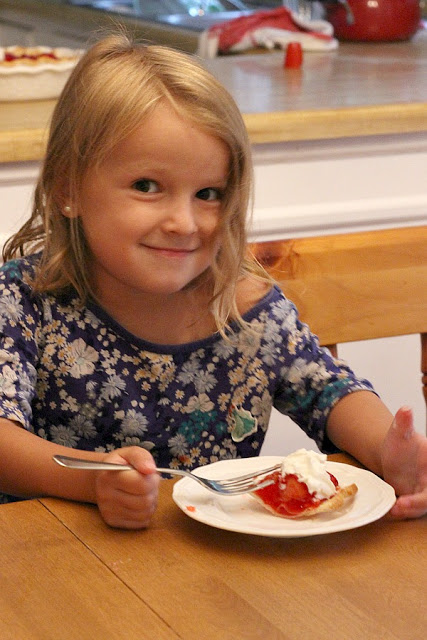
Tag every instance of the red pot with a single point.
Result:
(375, 20)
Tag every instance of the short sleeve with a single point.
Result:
(311, 380)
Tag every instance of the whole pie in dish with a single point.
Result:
(303, 487)
(35, 73)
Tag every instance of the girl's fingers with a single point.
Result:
(414, 506)
(403, 423)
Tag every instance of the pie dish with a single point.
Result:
(35, 73)
(243, 514)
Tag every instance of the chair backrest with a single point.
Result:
(356, 286)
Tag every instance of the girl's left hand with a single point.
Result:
(404, 463)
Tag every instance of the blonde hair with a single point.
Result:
(113, 87)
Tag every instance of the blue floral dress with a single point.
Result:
(74, 376)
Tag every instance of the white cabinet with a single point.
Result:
(315, 187)
(17, 181)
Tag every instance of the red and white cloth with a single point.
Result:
(269, 29)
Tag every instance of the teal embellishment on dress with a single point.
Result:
(13, 268)
(244, 424)
(201, 421)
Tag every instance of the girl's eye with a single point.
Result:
(209, 194)
(146, 186)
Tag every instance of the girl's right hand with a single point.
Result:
(128, 499)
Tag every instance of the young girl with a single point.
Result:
(134, 327)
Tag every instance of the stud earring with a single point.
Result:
(67, 209)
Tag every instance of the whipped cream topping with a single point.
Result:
(310, 467)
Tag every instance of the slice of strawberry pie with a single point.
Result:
(303, 487)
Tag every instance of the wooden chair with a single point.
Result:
(356, 286)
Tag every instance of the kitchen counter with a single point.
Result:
(358, 90)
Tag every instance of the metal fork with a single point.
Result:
(231, 487)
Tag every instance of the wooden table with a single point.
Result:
(65, 574)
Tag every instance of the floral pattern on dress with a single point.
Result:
(73, 376)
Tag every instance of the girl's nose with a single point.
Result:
(181, 218)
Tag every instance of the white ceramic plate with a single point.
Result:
(243, 514)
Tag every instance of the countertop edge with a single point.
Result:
(28, 144)
(336, 123)
(22, 146)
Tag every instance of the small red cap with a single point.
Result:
(293, 57)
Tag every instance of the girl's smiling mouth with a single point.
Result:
(170, 251)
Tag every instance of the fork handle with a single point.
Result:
(79, 463)
(98, 465)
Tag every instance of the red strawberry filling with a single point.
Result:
(287, 496)
(11, 57)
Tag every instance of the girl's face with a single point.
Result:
(151, 211)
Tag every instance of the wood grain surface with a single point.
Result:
(219, 585)
(53, 587)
